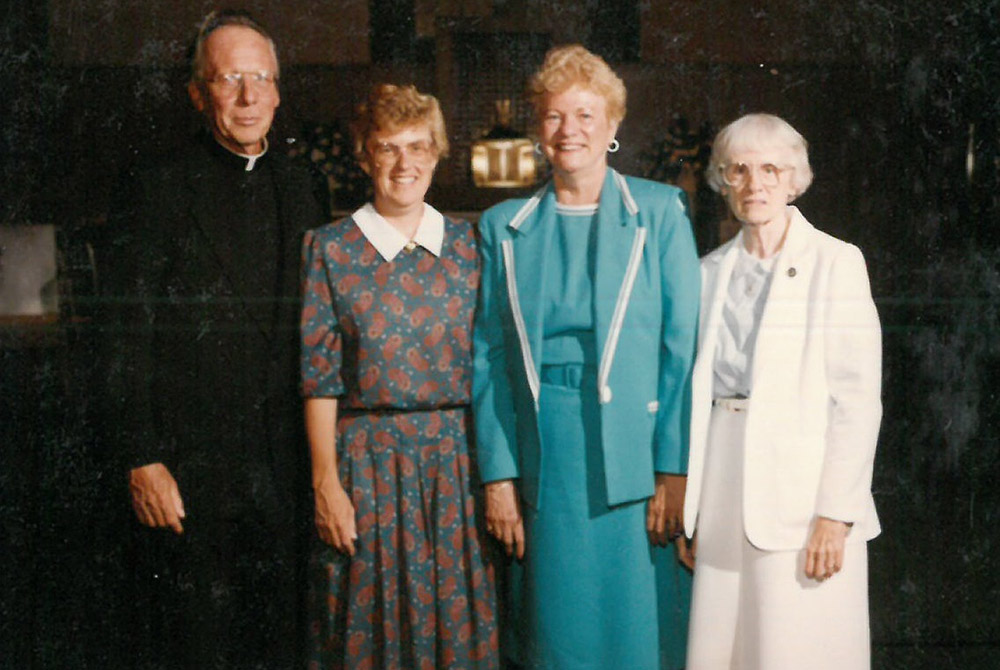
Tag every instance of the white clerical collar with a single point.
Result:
(251, 159)
(389, 242)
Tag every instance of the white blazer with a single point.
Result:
(815, 405)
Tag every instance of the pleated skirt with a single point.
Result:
(418, 594)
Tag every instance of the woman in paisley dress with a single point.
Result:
(398, 578)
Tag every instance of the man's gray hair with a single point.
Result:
(219, 19)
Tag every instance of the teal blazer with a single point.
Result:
(646, 299)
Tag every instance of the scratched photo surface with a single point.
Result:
(898, 100)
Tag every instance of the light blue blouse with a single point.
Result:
(741, 314)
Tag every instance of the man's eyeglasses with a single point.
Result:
(233, 81)
(737, 174)
(420, 151)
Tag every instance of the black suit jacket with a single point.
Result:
(206, 372)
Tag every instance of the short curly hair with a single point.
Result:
(573, 65)
(761, 132)
(391, 108)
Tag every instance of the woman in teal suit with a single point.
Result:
(584, 340)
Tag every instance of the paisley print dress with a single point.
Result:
(391, 341)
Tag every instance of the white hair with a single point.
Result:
(761, 132)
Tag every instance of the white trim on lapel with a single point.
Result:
(618, 316)
(507, 246)
(627, 198)
(527, 208)
(621, 303)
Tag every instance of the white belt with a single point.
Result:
(732, 404)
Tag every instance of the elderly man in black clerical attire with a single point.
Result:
(209, 415)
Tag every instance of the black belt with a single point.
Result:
(392, 411)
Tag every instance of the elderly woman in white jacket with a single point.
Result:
(785, 417)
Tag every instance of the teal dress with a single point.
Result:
(591, 592)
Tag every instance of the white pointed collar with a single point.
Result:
(389, 242)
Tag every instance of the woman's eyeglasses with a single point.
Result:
(737, 174)
(420, 151)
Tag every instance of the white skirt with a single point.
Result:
(754, 609)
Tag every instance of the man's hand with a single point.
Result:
(665, 509)
(155, 497)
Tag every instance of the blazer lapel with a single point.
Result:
(619, 244)
(716, 286)
(715, 283)
(716, 270)
(525, 255)
(783, 310)
(614, 237)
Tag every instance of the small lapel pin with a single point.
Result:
(791, 272)
(409, 246)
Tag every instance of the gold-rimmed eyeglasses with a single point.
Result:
(420, 151)
(231, 82)
(737, 174)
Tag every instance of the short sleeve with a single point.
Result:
(321, 338)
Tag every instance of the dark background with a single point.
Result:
(899, 100)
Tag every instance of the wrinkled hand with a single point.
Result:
(503, 516)
(665, 509)
(686, 550)
(335, 517)
(155, 497)
(825, 549)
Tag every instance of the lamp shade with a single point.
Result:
(503, 158)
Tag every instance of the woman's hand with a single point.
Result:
(825, 549)
(665, 509)
(335, 517)
(686, 551)
(503, 516)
